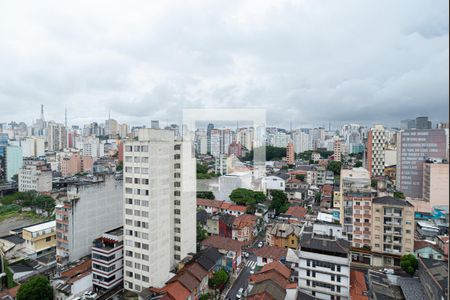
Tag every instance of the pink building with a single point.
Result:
(75, 163)
(290, 154)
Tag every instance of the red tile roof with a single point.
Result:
(357, 285)
(11, 292)
(279, 267)
(224, 243)
(245, 220)
(209, 203)
(78, 269)
(275, 253)
(270, 275)
(177, 291)
(233, 207)
(297, 211)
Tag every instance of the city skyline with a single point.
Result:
(256, 54)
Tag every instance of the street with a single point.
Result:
(242, 280)
(250, 262)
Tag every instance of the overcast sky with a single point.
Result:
(307, 61)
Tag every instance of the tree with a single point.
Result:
(202, 234)
(373, 182)
(272, 153)
(119, 166)
(358, 164)
(409, 263)
(399, 195)
(36, 288)
(219, 279)
(335, 167)
(246, 197)
(206, 195)
(300, 177)
(280, 202)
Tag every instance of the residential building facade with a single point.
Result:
(392, 230)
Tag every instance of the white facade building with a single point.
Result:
(324, 267)
(159, 220)
(88, 211)
(274, 183)
(35, 178)
(107, 260)
(375, 151)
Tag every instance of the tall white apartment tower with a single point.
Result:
(375, 151)
(159, 219)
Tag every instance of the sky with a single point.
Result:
(309, 62)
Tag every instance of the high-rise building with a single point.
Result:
(56, 136)
(14, 161)
(33, 147)
(302, 141)
(423, 123)
(86, 212)
(337, 150)
(356, 206)
(111, 127)
(375, 151)
(160, 208)
(435, 183)
(290, 153)
(392, 230)
(154, 124)
(208, 135)
(414, 147)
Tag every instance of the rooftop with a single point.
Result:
(437, 269)
(388, 200)
(358, 286)
(275, 253)
(224, 243)
(40, 227)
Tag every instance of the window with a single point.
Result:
(137, 213)
(129, 201)
(145, 257)
(177, 156)
(177, 248)
(128, 191)
(176, 211)
(338, 268)
(177, 239)
(308, 273)
(145, 267)
(145, 278)
(128, 148)
(144, 203)
(144, 214)
(137, 149)
(177, 184)
(144, 148)
(177, 166)
(128, 211)
(137, 202)
(137, 265)
(144, 246)
(137, 255)
(177, 193)
(177, 147)
(144, 225)
(144, 160)
(137, 276)
(177, 202)
(137, 245)
(177, 221)
(128, 180)
(48, 239)
(129, 253)
(145, 236)
(308, 282)
(128, 263)
(128, 222)
(136, 180)
(308, 263)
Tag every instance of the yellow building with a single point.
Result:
(283, 235)
(40, 239)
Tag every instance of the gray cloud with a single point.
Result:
(306, 61)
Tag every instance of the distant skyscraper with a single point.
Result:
(413, 148)
(375, 151)
(208, 136)
(155, 124)
(423, 123)
(290, 153)
(56, 136)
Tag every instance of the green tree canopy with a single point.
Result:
(399, 195)
(358, 164)
(206, 195)
(247, 197)
(280, 202)
(36, 288)
(409, 263)
(300, 177)
(335, 166)
(272, 153)
(219, 279)
(373, 182)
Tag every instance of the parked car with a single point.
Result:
(90, 295)
(239, 293)
(260, 244)
(252, 270)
